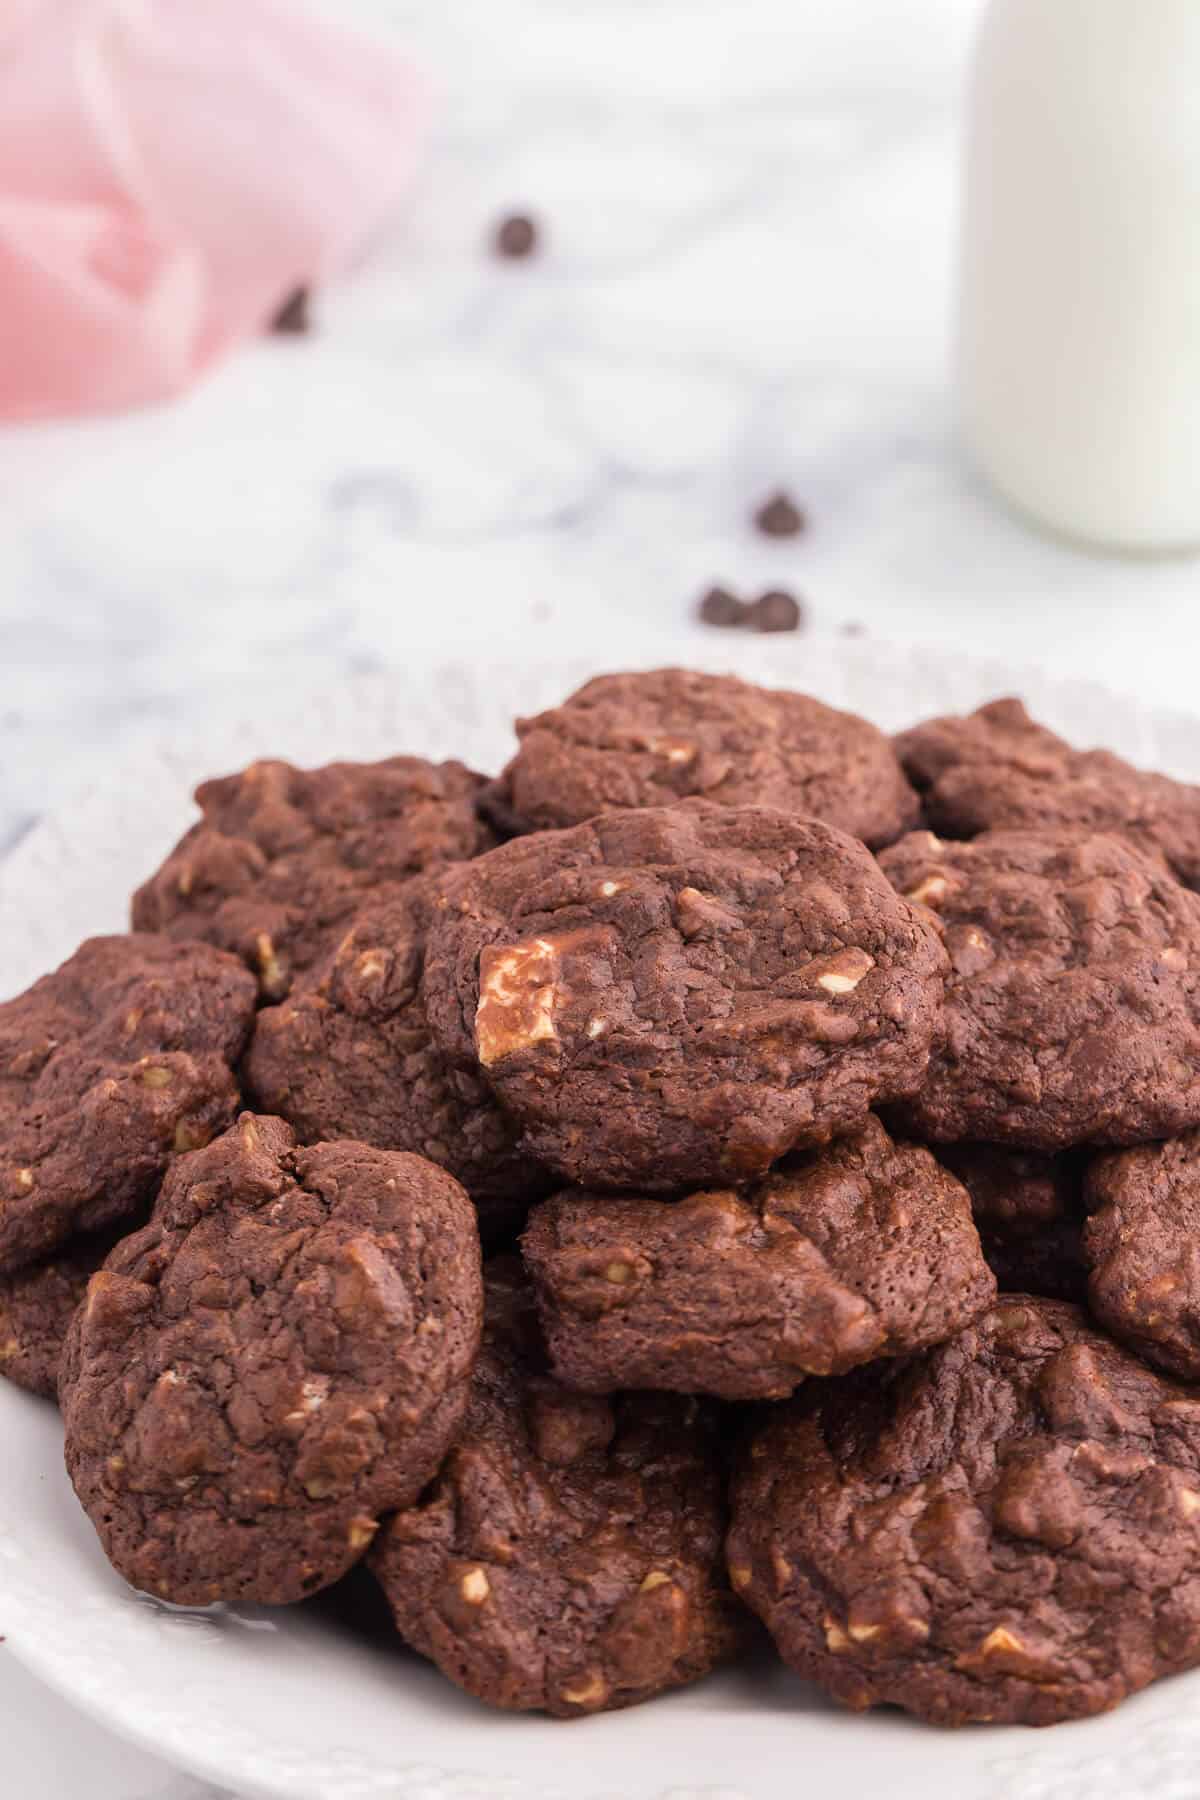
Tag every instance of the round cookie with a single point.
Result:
(861, 1250)
(1142, 1249)
(649, 739)
(107, 1068)
(349, 1054)
(568, 1557)
(282, 856)
(1073, 1002)
(1004, 1529)
(681, 995)
(1028, 1208)
(280, 1357)
(997, 769)
(37, 1304)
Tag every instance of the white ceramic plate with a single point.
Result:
(290, 1705)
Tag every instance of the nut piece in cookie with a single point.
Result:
(1029, 1211)
(1007, 1528)
(108, 1067)
(997, 769)
(281, 1357)
(1073, 1001)
(652, 738)
(37, 1304)
(1142, 1249)
(349, 1054)
(861, 1250)
(282, 857)
(681, 995)
(568, 1557)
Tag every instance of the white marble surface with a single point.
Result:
(749, 210)
(747, 280)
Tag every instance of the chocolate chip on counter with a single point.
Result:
(776, 610)
(516, 236)
(780, 517)
(294, 318)
(854, 628)
(720, 607)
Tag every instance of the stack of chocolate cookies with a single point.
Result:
(730, 1164)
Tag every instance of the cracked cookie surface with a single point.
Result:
(1073, 1001)
(998, 769)
(634, 740)
(1007, 1528)
(109, 1067)
(281, 856)
(349, 1054)
(861, 1250)
(38, 1302)
(568, 1557)
(681, 995)
(1142, 1249)
(278, 1359)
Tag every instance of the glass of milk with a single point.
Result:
(1079, 334)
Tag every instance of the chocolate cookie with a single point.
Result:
(349, 1054)
(650, 739)
(858, 1251)
(680, 995)
(1142, 1248)
(568, 1557)
(37, 1305)
(1029, 1211)
(998, 769)
(1073, 1003)
(107, 1068)
(1004, 1529)
(282, 1355)
(283, 856)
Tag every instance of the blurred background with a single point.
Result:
(743, 282)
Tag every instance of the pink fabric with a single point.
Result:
(170, 171)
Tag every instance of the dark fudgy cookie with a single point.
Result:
(282, 856)
(107, 1068)
(651, 739)
(681, 995)
(998, 769)
(858, 1251)
(282, 1355)
(1142, 1247)
(1029, 1211)
(37, 1305)
(349, 1054)
(568, 1557)
(1007, 1528)
(1073, 1003)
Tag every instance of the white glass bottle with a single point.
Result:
(1079, 334)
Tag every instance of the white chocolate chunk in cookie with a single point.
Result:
(517, 993)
